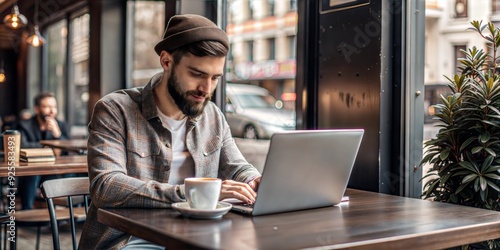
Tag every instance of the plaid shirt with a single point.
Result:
(130, 155)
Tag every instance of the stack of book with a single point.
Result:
(37, 154)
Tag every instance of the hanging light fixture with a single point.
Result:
(36, 38)
(15, 19)
(2, 71)
(2, 75)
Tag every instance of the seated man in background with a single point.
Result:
(42, 126)
(144, 141)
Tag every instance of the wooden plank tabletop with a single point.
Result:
(368, 221)
(62, 165)
(73, 145)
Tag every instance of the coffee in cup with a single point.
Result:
(11, 145)
(202, 193)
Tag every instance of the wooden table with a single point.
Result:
(62, 165)
(368, 221)
(74, 145)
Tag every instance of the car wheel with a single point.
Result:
(250, 132)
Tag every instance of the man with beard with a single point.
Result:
(144, 141)
(42, 126)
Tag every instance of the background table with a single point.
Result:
(62, 165)
(368, 221)
(75, 145)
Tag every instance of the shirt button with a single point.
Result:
(142, 154)
(205, 153)
(167, 145)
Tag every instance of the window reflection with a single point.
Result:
(458, 51)
(256, 101)
(253, 113)
(67, 72)
(461, 8)
(495, 6)
(263, 39)
(145, 27)
(79, 74)
(444, 45)
(56, 41)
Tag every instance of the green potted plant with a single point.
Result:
(465, 154)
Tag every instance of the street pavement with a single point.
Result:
(255, 151)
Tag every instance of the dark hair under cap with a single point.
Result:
(185, 29)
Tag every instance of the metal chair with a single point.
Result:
(38, 217)
(4, 219)
(69, 188)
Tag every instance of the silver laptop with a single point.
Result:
(305, 169)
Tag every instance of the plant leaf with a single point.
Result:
(444, 154)
(487, 162)
(469, 178)
(477, 149)
(459, 189)
(485, 137)
(466, 143)
(494, 186)
(469, 166)
(490, 152)
(483, 183)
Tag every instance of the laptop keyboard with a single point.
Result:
(238, 202)
(247, 205)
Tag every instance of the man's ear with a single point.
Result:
(166, 60)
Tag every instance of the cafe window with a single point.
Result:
(79, 75)
(56, 65)
(263, 53)
(250, 51)
(292, 46)
(293, 5)
(270, 7)
(65, 69)
(145, 27)
(495, 6)
(461, 8)
(271, 47)
(433, 92)
(249, 9)
(458, 53)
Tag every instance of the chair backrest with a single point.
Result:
(65, 187)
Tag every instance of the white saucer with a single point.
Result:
(221, 209)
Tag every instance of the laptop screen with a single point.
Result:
(306, 169)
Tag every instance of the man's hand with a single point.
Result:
(254, 184)
(238, 190)
(53, 127)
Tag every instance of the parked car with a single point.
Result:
(253, 113)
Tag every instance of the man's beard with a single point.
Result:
(188, 107)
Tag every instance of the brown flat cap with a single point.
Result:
(185, 29)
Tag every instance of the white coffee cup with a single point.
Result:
(202, 193)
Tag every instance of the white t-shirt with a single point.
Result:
(182, 163)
